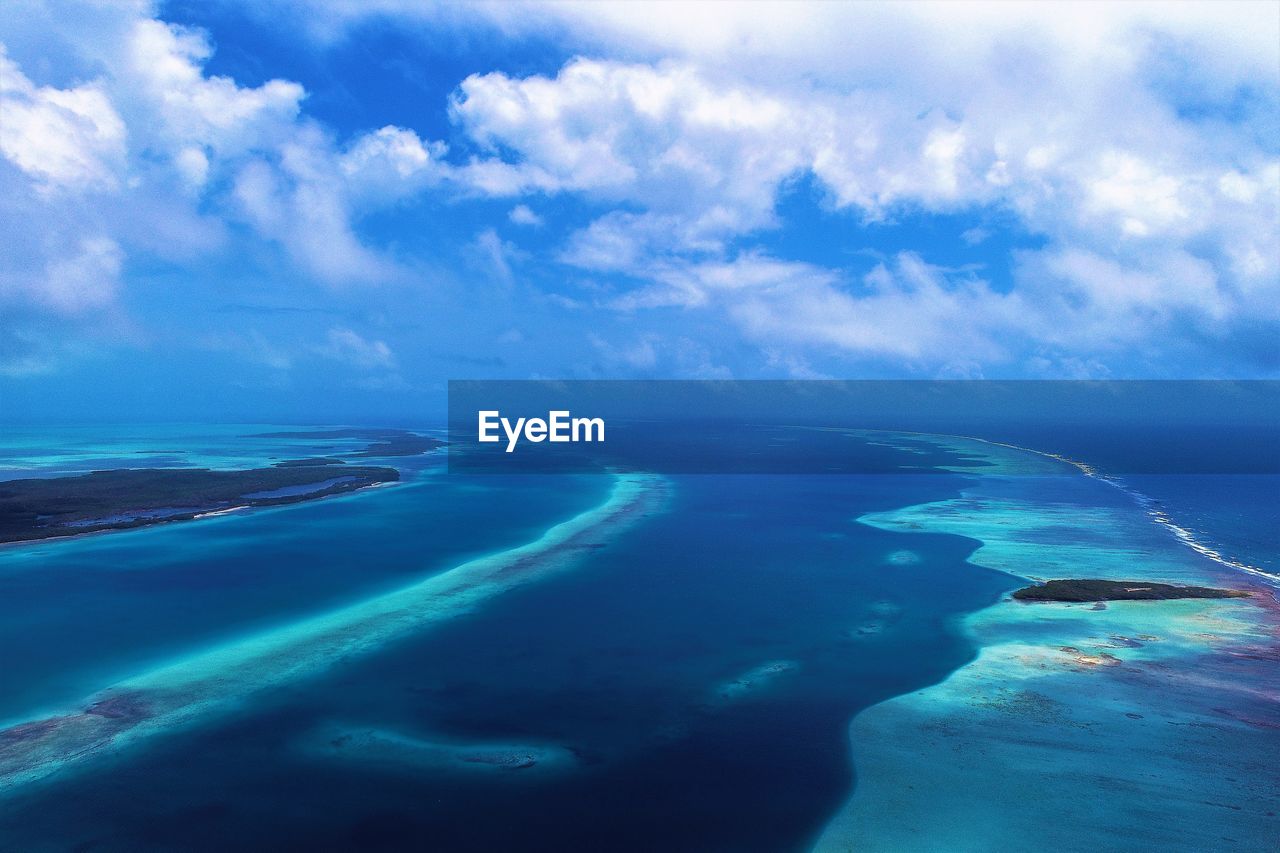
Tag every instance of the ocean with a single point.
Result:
(683, 678)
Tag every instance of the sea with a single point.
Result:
(687, 682)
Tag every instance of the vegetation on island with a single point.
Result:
(134, 497)
(1079, 589)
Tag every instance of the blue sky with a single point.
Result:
(323, 211)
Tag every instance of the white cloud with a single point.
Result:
(639, 355)
(86, 280)
(660, 136)
(301, 201)
(64, 138)
(906, 311)
(1091, 303)
(349, 347)
(154, 156)
(1141, 199)
(1153, 221)
(873, 41)
(679, 142)
(910, 314)
(494, 255)
(162, 73)
(522, 215)
(391, 163)
(656, 355)
(625, 242)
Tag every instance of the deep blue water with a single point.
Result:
(82, 613)
(621, 661)
(1237, 515)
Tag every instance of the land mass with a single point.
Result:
(1078, 589)
(134, 497)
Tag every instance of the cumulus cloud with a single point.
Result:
(659, 136)
(1135, 145)
(151, 119)
(903, 40)
(391, 163)
(676, 141)
(163, 67)
(129, 147)
(1151, 219)
(63, 138)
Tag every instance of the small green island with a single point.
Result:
(1082, 590)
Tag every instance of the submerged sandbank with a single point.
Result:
(394, 749)
(216, 680)
(755, 679)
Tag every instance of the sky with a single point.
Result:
(322, 211)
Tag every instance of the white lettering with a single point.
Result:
(559, 426)
(559, 423)
(587, 425)
(487, 424)
(513, 435)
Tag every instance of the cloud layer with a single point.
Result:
(1122, 166)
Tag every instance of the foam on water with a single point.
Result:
(1152, 509)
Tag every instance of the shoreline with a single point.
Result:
(218, 512)
(83, 497)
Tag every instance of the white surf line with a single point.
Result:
(1147, 504)
(214, 513)
(220, 679)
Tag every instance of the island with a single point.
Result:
(45, 508)
(1081, 589)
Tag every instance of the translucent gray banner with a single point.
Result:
(825, 427)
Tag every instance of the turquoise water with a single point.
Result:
(46, 451)
(1118, 727)
(683, 680)
(89, 611)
